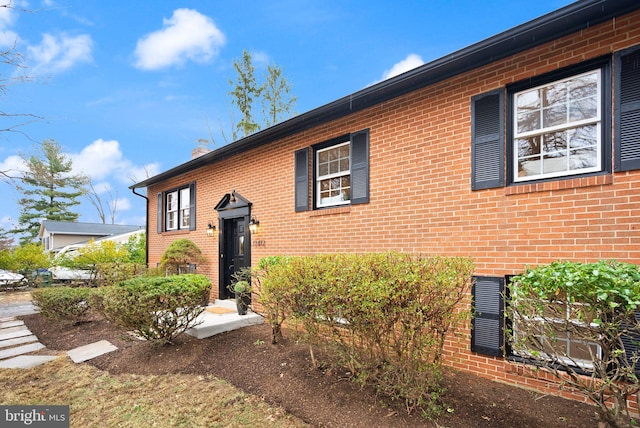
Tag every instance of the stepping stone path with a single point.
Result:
(17, 344)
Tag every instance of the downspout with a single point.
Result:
(146, 226)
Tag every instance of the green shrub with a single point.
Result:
(273, 302)
(157, 308)
(111, 273)
(180, 253)
(596, 305)
(382, 316)
(64, 303)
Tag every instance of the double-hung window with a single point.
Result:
(333, 175)
(178, 203)
(178, 210)
(339, 174)
(558, 125)
(557, 333)
(557, 128)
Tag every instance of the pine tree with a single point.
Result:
(49, 189)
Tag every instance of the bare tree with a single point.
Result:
(99, 203)
(13, 60)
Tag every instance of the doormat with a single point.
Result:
(218, 310)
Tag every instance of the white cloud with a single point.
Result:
(260, 59)
(60, 53)
(138, 174)
(102, 187)
(123, 204)
(187, 35)
(8, 38)
(103, 160)
(13, 166)
(409, 63)
(100, 159)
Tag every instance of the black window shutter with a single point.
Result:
(627, 110)
(631, 344)
(302, 179)
(487, 334)
(192, 206)
(159, 213)
(487, 140)
(360, 167)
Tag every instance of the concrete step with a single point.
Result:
(10, 323)
(26, 361)
(220, 317)
(19, 350)
(92, 350)
(17, 341)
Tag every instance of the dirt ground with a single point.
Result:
(283, 375)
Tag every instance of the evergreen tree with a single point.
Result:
(245, 92)
(49, 190)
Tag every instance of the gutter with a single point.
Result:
(146, 226)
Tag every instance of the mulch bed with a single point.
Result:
(283, 375)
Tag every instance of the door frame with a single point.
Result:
(232, 206)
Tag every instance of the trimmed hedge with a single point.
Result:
(382, 316)
(64, 303)
(156, 308)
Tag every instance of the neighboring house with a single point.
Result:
(518, 150)
(56, 235)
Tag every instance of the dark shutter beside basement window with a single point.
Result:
(360, 167)
(487, 140)
(487, 334)
(627, 109)
(302, 179)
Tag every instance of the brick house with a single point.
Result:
(518, 150)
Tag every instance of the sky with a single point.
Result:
(128, 88)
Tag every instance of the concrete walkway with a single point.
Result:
(17, 345)
(19, 348)
(222, 316)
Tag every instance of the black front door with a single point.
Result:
(235, 255)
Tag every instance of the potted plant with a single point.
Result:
(242, 289)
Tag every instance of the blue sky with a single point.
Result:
(128, 88)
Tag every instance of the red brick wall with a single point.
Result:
(420, 192)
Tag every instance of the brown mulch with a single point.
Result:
(282, 374)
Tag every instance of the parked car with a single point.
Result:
(8, 278)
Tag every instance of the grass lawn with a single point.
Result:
(98, 399)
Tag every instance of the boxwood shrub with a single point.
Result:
(156, 308)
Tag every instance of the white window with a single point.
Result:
(333, 175)
(184, 208)
(172, 211)
(177, 209)
(558, 335)
(557, 128)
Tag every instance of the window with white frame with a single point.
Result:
(177, 212)
(557, 334)
(333, 175)
(557, 128)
